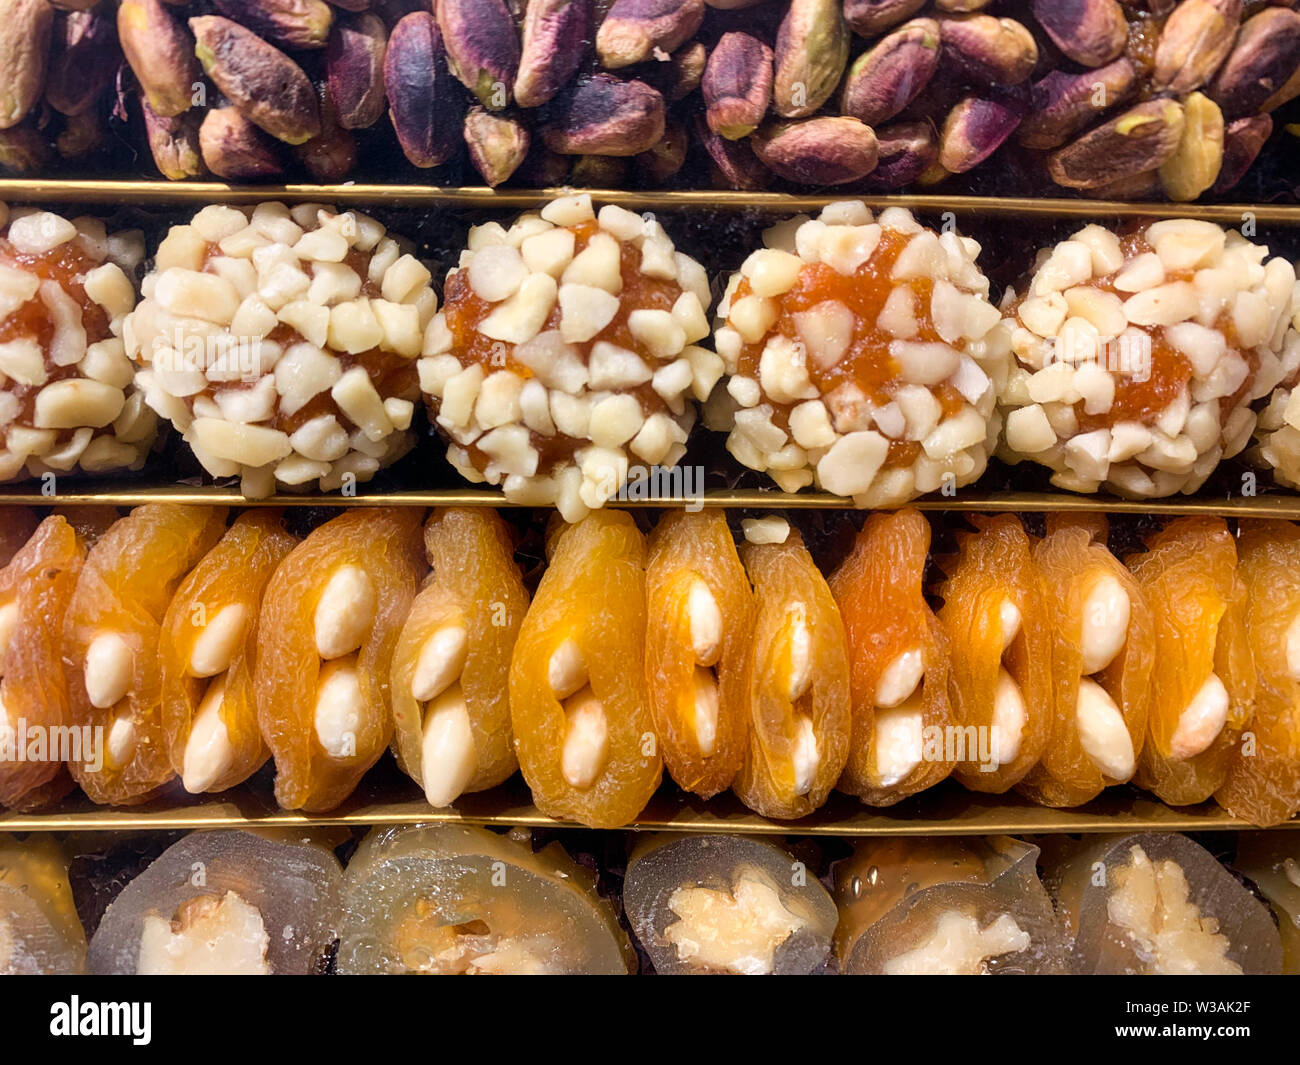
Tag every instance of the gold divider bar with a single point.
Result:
(948, 812)
(159, 193)
(1272, 505)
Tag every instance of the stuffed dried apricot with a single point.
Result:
(329, 622)
(1263, 782)
(35, 715)
(899, 661)
(1102, 653)
(796, 683)
(451, 666)
(700, 605)
(110, 644)
(207, 649)
(578, 699)
(1203, 681)
(1001, 646)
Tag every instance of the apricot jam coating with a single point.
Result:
(67, 266)
(1141, 399)
(867, 363)
(1170, 370)
(390, 373)
(465, 311)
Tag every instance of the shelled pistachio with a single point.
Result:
(1165, 99)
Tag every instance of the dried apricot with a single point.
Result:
(329, 622)
(1203, 682)
(1102, 653)
(899, 658)
(1263, 782)
(207, 649)
(796, 684)
(35, 589)
(1001, 646)
(701, 607)
(451, 666)
(578, 699)
(110, 645)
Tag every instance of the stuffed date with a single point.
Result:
(228, 902)
(726, 904)
(1157, 903)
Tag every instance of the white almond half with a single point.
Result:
(899, 743)
(1104, 623)
(441, 660)
(448, 758)
(215, 646)
(339, 706)
(705, 708)
(585, 750)
(1201, 720)
(1009, 719)
(1103, 735)
(566, 672)
(704, 621)
(344, 612)
(208, 754)
(806, 757)
(108, 669)
(900, 679)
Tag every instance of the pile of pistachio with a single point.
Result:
(1124, 98)
(1127, 99)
